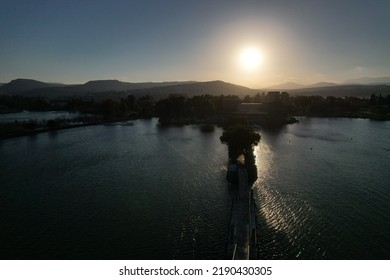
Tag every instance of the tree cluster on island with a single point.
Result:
(240, 138)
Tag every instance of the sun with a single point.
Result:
(251, 58)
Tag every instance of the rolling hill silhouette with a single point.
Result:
(115, 88)
(20, 85)
(101, 89)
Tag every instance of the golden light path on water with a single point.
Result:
(285, 214)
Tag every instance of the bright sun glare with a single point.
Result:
(251, 58)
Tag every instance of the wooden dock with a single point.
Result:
(242, 234)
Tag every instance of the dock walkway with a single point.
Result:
(242, 234)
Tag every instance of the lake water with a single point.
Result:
(323, 190)
(145, 192)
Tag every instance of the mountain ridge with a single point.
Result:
(23, 85)
(293, 85)
(20, 84)
(102, 89)
(216, 87)
(357, 81)
(343, 90)
(287, 85)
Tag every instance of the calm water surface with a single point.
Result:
(144, 192)
(323, 190)
(130, 192)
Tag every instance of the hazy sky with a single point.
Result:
(173, 40)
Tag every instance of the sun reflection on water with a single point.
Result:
(283, 214)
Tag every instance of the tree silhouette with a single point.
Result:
(239, 137)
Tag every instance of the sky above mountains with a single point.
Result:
(299, 41)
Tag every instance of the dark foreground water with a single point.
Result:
(144, 192)
(121, 192)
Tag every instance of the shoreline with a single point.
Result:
(52, 129)
(348, 116)
(187, 121)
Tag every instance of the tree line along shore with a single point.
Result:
(267, 109)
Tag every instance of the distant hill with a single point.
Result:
(104, 85)
(20, 85)
(287, 86)
(103, 89)
(359, 81)
(369, 81)
(37, 88)
(215, 88)
(343, 90)
(116, 89)
(293, 86)
(115, 85)
(322, 84)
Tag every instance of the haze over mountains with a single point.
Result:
(369, 81)
(359, 81)
(292, 85)
(118, 89)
